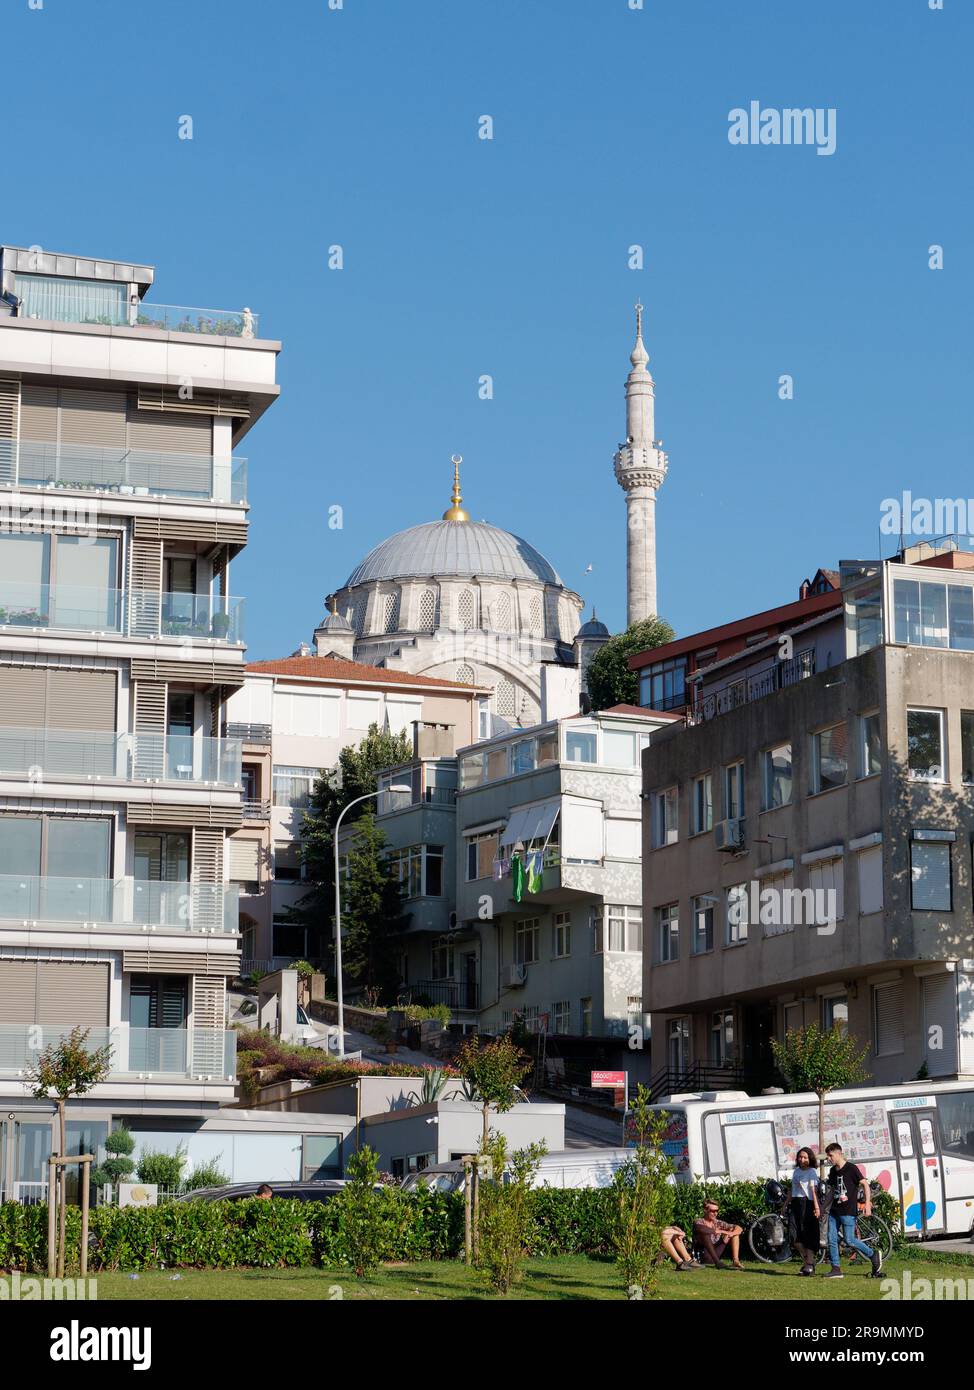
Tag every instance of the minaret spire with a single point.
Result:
(455, 512)
(640, 467)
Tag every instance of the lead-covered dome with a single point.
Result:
(454, 548)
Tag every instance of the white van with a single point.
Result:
(916, 1140)
(564, 1168)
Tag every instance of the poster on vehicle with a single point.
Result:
(675, 1143)
(861, 1128)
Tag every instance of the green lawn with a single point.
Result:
(566, 1277)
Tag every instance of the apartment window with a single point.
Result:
(734, 791)
(526, 941)
(419, 868)
(870, 871)
(888, 1019)
(441, 961)
(703, 924)
(481, 853)
(585, 1008)
(57, 848)
(778, 903)
(662, 686)
(562, 934)
(483, 717)
(826, 878)
(925, 744)
(668, 933)
(867, 608)
(287, 861)
(678, 1045)
(870, 745)
(967, 744)
(835, 1013)
(702, 804)
(929, 614)
(62, 581)
(618, 928)
(792, 1018)
(634, 1015)
(665, 811)
(561, 1016)
(830, 758)
(777, 777)
(721, 1037)
(930, 873)
(293, 786)
(289, 940)
(621, 748)
(581, 748)
(736, 905)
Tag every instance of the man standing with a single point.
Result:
(845, 1178)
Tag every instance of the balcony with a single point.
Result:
(55, 300)
(144, 1054)
(79, 755)
(256, 810)
(127, 612)
(775, 677)
(124, 904)
(259, 734)
(456, 994)
(135, 472)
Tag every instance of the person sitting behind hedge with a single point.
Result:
(264, 1192)
(713, 1236)
(674, 1243)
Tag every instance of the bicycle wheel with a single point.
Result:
(768, 1239)
(875, 1232)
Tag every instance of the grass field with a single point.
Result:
(563, 1278)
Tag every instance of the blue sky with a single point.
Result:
(508, 257)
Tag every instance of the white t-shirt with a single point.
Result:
(803, 1182)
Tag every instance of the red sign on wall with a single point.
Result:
(610, 1079)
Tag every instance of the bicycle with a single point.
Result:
(769, 1241)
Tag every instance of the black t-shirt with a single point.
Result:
(845, 1185)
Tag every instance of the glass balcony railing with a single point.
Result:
(128, 612)
(140, 904)
(137, 472)
(191, 1054)
(56, 300)
(87, 755)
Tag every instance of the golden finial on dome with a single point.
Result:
(456, 512)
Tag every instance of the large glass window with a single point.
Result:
(703, 924)
(835, 1013)
(526, 940)
(668, 932)
(777, 776)
(619, 748)
(956, 1110)
(580, 747)
(830, 758)
(868, 619)
(562, 934)
(419, 868)
(736, 906)
(481, 853)
(925, 744)
(734, 791)
(57, 580)
(930, 614)
(618, 928)
(293, 786)
(662, 686)
(524, 755)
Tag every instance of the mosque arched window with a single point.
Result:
(465, 675)
(390, 613)
(502, 613)
(505, 699)
(427, 611)
(466, 610)
(537, 614)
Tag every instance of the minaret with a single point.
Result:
(640, 467)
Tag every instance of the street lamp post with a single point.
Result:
(338, 911)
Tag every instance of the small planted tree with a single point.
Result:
(644, 1199)
(64, 1069)
(812, 1060)
(491, 1074)
(118, 1166)
(361, 1225)
(505, 1213)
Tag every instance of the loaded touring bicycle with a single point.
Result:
(915, 1140)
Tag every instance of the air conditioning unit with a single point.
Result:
(729, 834)
(513, 975)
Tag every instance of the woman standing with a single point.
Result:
(803, 1209)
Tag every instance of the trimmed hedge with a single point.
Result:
(279, 1233)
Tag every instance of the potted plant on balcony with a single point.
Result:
(220, 625)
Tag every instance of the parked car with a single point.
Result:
(591, 1167)
(320, 1191)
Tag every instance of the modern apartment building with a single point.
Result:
(293, 717)
(807, 837)
(123, 501)
(564, 952)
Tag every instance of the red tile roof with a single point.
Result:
(333, 668)
(638, 709)
(797, 611)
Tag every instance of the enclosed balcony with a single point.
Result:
(132, 472)
(60, 299)
(127, 612)
(122, 904)
(144, 1054)
(74, 755)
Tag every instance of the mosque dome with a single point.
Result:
(449, 549)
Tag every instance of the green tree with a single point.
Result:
(118, 1167)
(360, 1202)
(372, 911)
(812, 1060)
(644, 1199)
(492, 1073)
(506, 1223)
(610, 681)
(357, 774)
(62, 1070)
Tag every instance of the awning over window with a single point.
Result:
(531, 823)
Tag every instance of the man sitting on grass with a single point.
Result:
(712, 1237)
